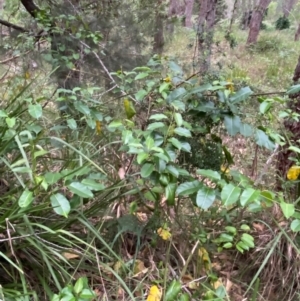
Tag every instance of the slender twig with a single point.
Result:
(13, 57)
(259, 178)
(14, 26)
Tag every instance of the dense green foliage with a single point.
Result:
(139, 169)
(283, 23)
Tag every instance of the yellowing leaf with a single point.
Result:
(164, 233)
(129, 108)
(98, 127)
(217, 283)
(167, 79)
(117, 266)
(27, 75)
(230, 86)
(204, 256)
(224, 169)
(139, 268)
(189, 281)
(293, 173)
(154, 294)
(70, 255)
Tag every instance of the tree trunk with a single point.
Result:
(189, 4)
(288, 6)
(159, 40)
(256, 20)
(173, 13)
(207, 19)
(297, 35)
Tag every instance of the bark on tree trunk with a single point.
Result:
(207, 18)
(189, 4)
(159, 40)
(256, 20)
(173, 12)
(288, 6)
(297, 35)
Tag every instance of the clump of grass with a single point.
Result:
(267, 43)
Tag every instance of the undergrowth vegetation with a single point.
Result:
(154, 183)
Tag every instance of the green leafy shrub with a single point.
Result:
(282, 23)
(267, 43)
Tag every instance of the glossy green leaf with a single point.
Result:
(294, 89)
(294, 149)
(224, 237)
(155, 125)
(141, 157)
(82, 107)
(147, 170)
(87, 294)
(10, 122)
(205, 197)
(227, 245)
(249, 195)
(161, 165)
(149, 143)
(162, 156)
(230, 194)
(141, 75)
(232, 124)
(176, 94)
(164, 179)
(52, 177)
(231, 229)
(241, 95)
(173, 170)
(36, 111)
(262, 139)
(80, 189)
(158, 117)
(178, 105)
(170, 190)
(3, 113)
(248, 240)
(287, 209)
(207, 173)
(115, 124)
(185, 146)
(175, 142)
(140, 94)
(246, 130)
(184, 297)
(79, 285)
(60, 204)
(72, 124)
(188, 188)
(295, 225)
(163, 87)
(173, 291)
(264, 107)
(239, 247)
(178, 119)
(26, 198)
(182, 132)
(92, 184)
